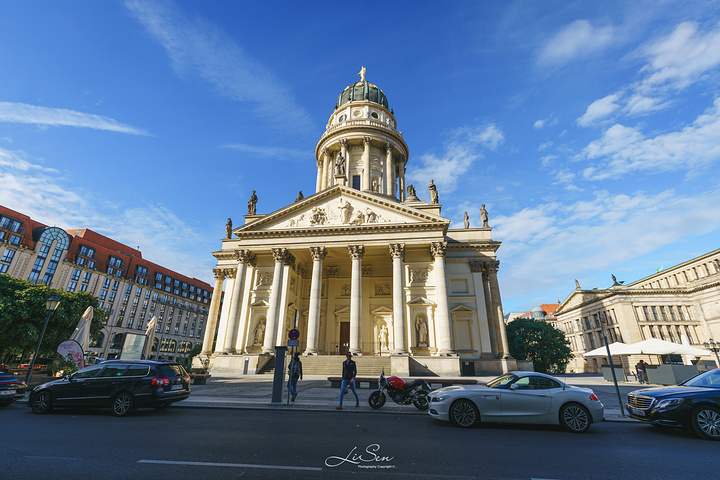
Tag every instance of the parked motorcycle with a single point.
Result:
(402, 393)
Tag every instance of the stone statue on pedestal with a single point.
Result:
(260, 333)
(300, 196)
(340, 164)
(467, 221)
(484, 216)
(228, 229)
(252, 204)
(421, 331)
(434, 198)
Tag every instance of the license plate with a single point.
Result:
(638, 412)
(7, 392)
(176, 387)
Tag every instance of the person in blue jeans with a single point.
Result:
(349, 372)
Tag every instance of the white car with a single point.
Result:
(518, 397)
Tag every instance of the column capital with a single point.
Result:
(356, 251)
(230, 273)
(437, 249)
(388, 147)
(344, 142)
(219, 273)
(300, 269)
(280, 254)
(318, 253)
(397, 250)
(402, 159)
(476, 266)
(243, 256)
(492, 266)
(367, 141)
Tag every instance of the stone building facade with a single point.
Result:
(680, 304)
(130, 289)
(369, 267)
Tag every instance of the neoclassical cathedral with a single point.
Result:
(363, 265)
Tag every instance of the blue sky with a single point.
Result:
(590, 130)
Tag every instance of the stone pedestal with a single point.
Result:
(341, 180)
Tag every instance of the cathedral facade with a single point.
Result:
(363, 265)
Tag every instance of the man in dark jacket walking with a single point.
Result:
(295, 373)
(349, 372)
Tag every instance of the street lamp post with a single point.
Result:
(715, 347)
(50, 305)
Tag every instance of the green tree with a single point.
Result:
(22, 316)
(536, 340)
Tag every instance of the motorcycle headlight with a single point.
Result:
(441, 398)
(669, 403)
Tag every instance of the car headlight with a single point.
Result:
(669, 403)
(441, 398)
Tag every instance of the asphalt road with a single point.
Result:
(181, 443)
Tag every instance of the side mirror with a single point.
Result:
(514, 386)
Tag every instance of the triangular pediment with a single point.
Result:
(342, 207)
(343, 311)
(382, 310)
(420, 301)
(580, 297)
(462, 309)
(260, 304)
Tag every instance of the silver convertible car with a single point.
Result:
(518, 397)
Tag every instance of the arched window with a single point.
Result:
(47, 236)
(117, 340)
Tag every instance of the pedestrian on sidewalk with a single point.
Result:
(641, 373)
(349, 372)
(294, 373)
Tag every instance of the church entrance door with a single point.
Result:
(344, 337)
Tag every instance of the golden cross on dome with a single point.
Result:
(362, 74)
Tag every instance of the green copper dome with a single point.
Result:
(362, 91)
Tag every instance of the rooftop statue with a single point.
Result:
(340, 165)
(362, 74)
(411, 191)
(252, 204)
(467, 221)
(300, 196)
(484, 216)
(434, 198)
(228, 229)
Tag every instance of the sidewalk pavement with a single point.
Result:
(229, 390)
(314, 393)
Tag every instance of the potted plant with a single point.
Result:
(201, 378)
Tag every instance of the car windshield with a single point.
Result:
(502, 381)
(709, 379)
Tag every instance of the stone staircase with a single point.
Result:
(331, 365)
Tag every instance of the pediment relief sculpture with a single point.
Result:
(418, 275)
(264, 279)
(382, 288)
(345, 213)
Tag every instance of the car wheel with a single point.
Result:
(421, 401)
(122, 404)
(574, 418)
(377, 400)
(464, 413)
(706, 422)
(42, 403)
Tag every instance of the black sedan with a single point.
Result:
(11, 389)
(693, 403)
(121, 385)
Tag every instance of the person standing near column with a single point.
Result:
(295, 373)
(349, 372)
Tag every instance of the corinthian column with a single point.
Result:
(366, 183)
(497, 309)
(225, 313)
(318, 182)
(279, 254)
(397, 252)
(213, 312)
(356, 252)
(318, 254)
(401, 174)
(325, 168)
(389, 184)
(442, 319)
(233, 321)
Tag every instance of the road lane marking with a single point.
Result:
(53, 458)
(233, 465)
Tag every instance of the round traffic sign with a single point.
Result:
(294, 334)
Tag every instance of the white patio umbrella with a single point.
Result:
(82, 333)
(616, 349)
(654, 346)
(150, 333)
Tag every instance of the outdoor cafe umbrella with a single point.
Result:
(150, 333)
(654, 346)
(82, 333)
(616, 349)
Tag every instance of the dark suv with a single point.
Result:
(121, 385)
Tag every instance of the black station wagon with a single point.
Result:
(121, 385)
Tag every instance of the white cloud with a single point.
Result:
(579, 39)
(42, 194)
(460, 153)
(32, 114)
(622, 150)
(683, 57)
(268, 151)
(199, 48)
(599, 109)
(548, 244)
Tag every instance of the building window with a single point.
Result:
(71, 286)
(356, 182)
(112, 297)
(116, 284)
(664, 315)
(128, 289)
(655, 315)
(106, 283)
(4, 267)
(103, 294)
(83, 287)
(680, 312)
(87, 276)
(91, 263)
(14, 239)
(110, 270)
(76, 274)
(8, 255)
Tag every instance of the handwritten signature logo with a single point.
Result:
(370, 458)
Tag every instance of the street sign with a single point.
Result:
(293, 343)
(294, 334)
